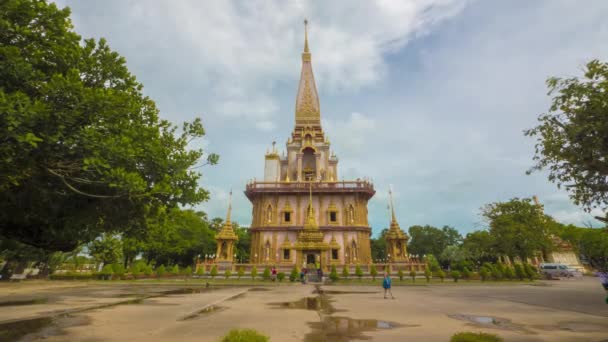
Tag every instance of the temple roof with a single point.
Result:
(394, 232)
(227, 233)
(308, 110)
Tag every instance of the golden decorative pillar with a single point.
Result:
(226, 238)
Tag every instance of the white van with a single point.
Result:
(555, 270)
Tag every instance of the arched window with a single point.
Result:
(269, 214)
(351, 214)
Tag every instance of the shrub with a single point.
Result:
(240, 273)
(227, 273)
(455, 275)
(174, 270)
(520, 273)
(373, 272)
(413, 276)
(400, 274)
(254, 273)
(244, 335)
(345, 272)
(200, 271)
(294, 274)
(509, 273)
(531, 272)
(496, 273)
(441, 275)
(333, 275)
(118, 270)
(358, 272)
(106, 272)
(213, 271)
(432, 263)
(160, 271)
(475, 337)
(280, 276)
(73, 276)
(484, 274)
(135, 270)
(266, 274)
(428, 274)
(148, 270)
(466, 273)
(186, 272)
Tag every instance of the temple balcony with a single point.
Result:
(344, 187)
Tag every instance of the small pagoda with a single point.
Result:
(226, 239)
(310, 237)
(396, 239)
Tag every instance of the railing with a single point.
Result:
(361, 185)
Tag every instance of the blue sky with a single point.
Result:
(428, 96)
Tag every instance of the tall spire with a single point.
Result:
(390, 194)
(307, 100)
(229, 207)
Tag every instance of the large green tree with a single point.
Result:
(378, 246)
(572, 138)
(519, 227)
(590, 243)
(82, 150)
(479, 246)
(431, 240)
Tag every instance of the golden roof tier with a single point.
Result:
(308, 110)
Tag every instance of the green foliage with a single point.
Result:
(75, 276)
(295, 273)
(200, 271)
(400, 274)
(174, 270)
(244, 335)
(241, 272)
(413, 276)
(531, 271)
(571, 137)
(479, 246)
(227, 273)
(431, 240)
(266, 273)
(475, 337)
(466, 273)
(455, 275)
(441, 275)
(333, 275)
(187, 272)
(106, 272)
(358, 272)
(484, 274)
(432, 263)
(118, 270)
(496, 273)
(213, 271)
(428, 274)
(84, 151)
(453, 255)
(373, 272)
(106, 249)
(280, 276)
(254, 272)
(345, 272)
(521, 227)
(161, 271)
(378, 246)
(590, 243)
(148, 271)
(509, 273)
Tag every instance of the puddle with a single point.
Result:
(489, 321)
(25, 302)
(207, 310)
(255, 289)
(582, 326)
(319, 303)
(39, 328)
(188, 290)
(346, 329)
(15, 330)
(336, 292)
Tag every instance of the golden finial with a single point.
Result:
(306, 36)
(229, 207)
(390, 194)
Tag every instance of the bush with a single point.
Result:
(266, 274)
(160, 271)
(254, 273)
(244, 335)
(432, 263)
(400, 274)
(358, 272)
(148, 270)
(428, 274)
(345, 272)
(118, 270)
(373, 272)
(213, 271)
(466, 273)
(441, 275)
(294, 274)
(227, 273)
(475, 337)
(174, 270)
(73, 276)
(484, 274)
(187, 272)
(413, 276)
(455, 275)
(106, 272)
(333, 275)
(241, 272)
(520, 273)
(496, 273)
(280, 276)
(531, 272)
(200, 271)
(509, 273)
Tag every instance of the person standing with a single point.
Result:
(386, 283)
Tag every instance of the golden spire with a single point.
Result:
(390, 194)
(227, 233)
(307, 99)
(311, 222)
(229, 207)
(306, 36)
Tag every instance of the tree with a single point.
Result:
(400, 275)
(243, 245)
(254, 272)
(160, 271)
(427, 239)
(521, 227)
(453, 255)
(441, 275)
(590, 243)
(571, 139)
(333, 275)
(479, 246)
(345, 272)
(294, 274)
(379, 246)
(358, 272)
(227, 273)
(280, 276)
(413, 276)
(241, 272)
(455, 275)
(213, 272)
(107, 249)
(266, 273)
(82, 150)
(428, 274)
(373, 272)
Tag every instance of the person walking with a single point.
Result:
(386, 283)
(274, 273)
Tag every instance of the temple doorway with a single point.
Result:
(312, 257)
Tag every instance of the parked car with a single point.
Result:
(556, 270)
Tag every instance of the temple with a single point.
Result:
(302, 213)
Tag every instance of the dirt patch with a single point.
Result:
(490, 322)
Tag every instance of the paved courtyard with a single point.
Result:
(567, 310)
